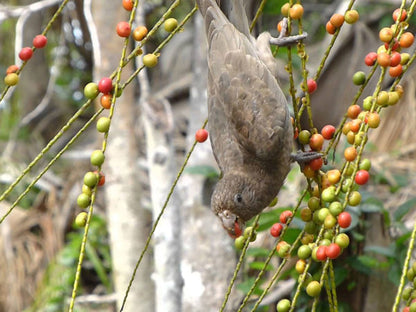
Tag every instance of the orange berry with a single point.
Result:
(396, 71)
(353, 111)
(105, 101)
(337, 20)
(386, 34)
(296, 11)
(350, 153)
(383, 59)
(330, 29)
(406, 40)
(139, 33)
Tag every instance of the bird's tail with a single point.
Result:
(233, 10)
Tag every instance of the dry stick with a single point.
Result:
(269, 257)
(146, 246)
(238, 266)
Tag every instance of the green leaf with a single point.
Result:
(291, 234)
(340, 275)
(372, 205)
(258, 252)
(246, 286)
(204, 170)
(385, 251)
(404, 209)
(258, 265)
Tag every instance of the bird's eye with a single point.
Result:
(238, 198)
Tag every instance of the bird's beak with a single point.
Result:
(231, 223)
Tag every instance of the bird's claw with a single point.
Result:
(302, 158)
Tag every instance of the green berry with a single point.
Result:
(103, 124)
(239, 242)
(313, 289)
(81, 219)
(328, 194)
(83, 200)
(358, 78)
(335, 208)
(171, 24)
(304, 136)
(304, 252)
(283, 305)
(342, 240)
(91, 90)
(90, 179)
(150, 60)
(86, 190)
(97, 158)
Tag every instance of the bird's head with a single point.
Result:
(234, 202)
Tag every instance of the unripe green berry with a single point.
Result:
(103, 124)
(171, 24)
(81, 219)
(97, 158)
(90, 179)
(91, 90)
(83, 200)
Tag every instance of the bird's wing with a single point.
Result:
(246, 95)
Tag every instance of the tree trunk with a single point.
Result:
(129, 223)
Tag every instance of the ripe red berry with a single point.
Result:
(40, 41)
(285, 215)
(105, 85)
(333, 251)
(25, 54)
(321, 253)
(316, 163)
(396, 71)
(370, 58)
(316, 141)
(328, 132)
(312, 86)
(395, 59)
(101, 178)
(201, 135)
(344, 219)
(276, 229)
(396, 14)
(123, 29)
(361, 177)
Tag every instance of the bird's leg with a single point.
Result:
(302, 158)
(282, 40)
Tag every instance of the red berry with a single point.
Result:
(40, 41)
(396, 71)
(201, 135)
(316, 163)
(361, 177)
(312, 86)
(285, 215)
(328, 132)
(333, 251)
(395, 59)
(395, 46)
(276, 229)
(316, 141)
(25, 54)
(353, 111)
(321, 253)
(105, 85)
(101, 178)
(344, 219)
(396, 15)
(123, 29)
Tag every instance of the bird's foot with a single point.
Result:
(282, 40)
(303, 158)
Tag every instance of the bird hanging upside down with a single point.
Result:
(248, 117)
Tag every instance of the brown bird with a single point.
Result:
(248, 117)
